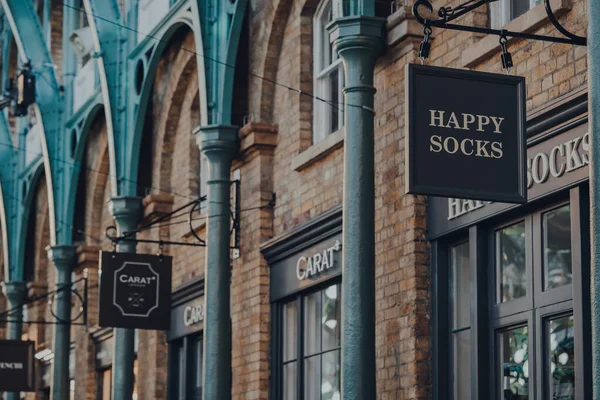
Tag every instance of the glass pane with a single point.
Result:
(518, 7)
(561, 353)
(331, 318)
(175, 355)
(289, 381)
(510, 250)
(557, 247)
(312, 324)
(514, 357)
(335, 99)
(290, 331)
(460, 286)
(312, 378)
(330, 386)
(462, 365)
(106, 384)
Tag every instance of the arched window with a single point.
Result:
(328, 115)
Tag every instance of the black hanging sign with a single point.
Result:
(135, 291)
(466, 134)
(17, 366)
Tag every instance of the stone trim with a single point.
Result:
(528, 22)
(403, 31)
(258, 136)
(156, 205)
(319, 150)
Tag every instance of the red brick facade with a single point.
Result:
(277, 156)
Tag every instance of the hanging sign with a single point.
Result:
(135, 291)
(466, 134)
(17, 366)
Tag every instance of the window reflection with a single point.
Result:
(513, 348)
(510, 250)
(561, 353)
(557, 248)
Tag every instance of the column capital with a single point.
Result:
(63, 257)
(15, 292)
(217, 138)
(126, 210)
(358, 32)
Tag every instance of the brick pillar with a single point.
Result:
(85, 361)
(250, 313)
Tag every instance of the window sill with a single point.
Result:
(530, 21)
(318, 151)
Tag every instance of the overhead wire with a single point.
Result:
(251, 73)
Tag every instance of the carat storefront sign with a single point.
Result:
(17, 366)
(466, 134)
(135, 291)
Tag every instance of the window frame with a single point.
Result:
(187, 356)
(500, 12)
(277, 342)
(487, 319)
(322, 71)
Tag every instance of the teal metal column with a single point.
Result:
(219, 143)
(593, 36)
(15, 293)
(64, 259)
(127, 212)
(359, 42)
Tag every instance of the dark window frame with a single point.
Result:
(277, 340)
(183, 378)
(487, 316)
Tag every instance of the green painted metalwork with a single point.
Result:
(219, 143)
(127, 212)
(49, 107)
(350, 8)
(593, 35)
(64, 259)
(359, 41)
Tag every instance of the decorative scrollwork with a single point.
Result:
(449, 14)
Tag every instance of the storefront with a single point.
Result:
(185, 342)
(510, 283)
(306, 268)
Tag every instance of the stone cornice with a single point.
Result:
(258, 137)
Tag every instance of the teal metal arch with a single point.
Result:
(33, 180)
(87, 119)
(140, 102)
(220, 25)
(49, 106)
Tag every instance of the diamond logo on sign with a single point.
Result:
(136, 289)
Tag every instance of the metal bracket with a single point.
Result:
(448, 14)
(5, 316)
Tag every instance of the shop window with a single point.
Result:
(517, 291)
(310, 353)
(185, 368)
(328, 108)
(461, 329)
(504, 11)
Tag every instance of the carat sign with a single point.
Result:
(466, 134)
(135, 291)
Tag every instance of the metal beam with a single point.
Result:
(359, 41)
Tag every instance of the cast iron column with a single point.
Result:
(15, 293)
(64, 259)
(126, 211)
(594, 128)
(359, 41)
(219, 143)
